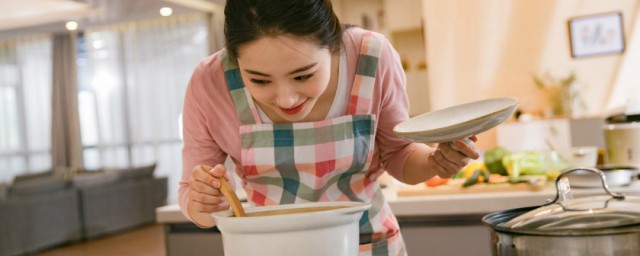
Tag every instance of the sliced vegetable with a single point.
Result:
(468, 170)
(497, 178)
(456, 182)
(485, 177)
(473, 179)
(436, 181)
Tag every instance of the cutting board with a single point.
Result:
(422, 189)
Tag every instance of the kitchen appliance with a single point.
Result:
(600, 225)
(622, 139)
(623, 143)
(318, 233)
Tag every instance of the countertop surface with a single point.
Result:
(450, 205)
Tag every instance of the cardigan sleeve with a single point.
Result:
(200, 146)
(393, 109)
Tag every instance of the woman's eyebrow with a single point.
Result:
(305, 68)
(256, 73)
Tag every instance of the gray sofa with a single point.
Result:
(45, 210)
(127, 201)
(38, 213)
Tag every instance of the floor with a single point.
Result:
(147, 240)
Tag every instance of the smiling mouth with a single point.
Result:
(294, 110)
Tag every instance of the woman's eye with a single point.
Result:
(303, 78)
(257, 81)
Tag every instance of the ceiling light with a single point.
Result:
(166, 11)
(97, 44)
(71, 25)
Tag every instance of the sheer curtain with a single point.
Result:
(131, 95)
(25, 106)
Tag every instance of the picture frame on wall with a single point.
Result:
(597, 34)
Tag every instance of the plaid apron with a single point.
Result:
(285, 163)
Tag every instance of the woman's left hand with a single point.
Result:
(447, 161)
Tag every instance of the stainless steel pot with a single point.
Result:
(601, 225)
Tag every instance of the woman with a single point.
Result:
(305, 109)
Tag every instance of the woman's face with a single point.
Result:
(285, 75)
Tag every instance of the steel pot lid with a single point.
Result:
(609, 211)
(584, 213)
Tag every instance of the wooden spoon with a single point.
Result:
(232, 198)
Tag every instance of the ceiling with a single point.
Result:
(24, 17)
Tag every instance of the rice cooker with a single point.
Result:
(622, 140)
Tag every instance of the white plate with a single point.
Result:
(457, 122)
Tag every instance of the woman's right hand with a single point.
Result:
(204, 193)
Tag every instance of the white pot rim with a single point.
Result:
(352, 212)
(619, 126)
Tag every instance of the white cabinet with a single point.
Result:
(560, 132)
(534, 135)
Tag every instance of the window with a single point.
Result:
(25, 106)
(131, 84)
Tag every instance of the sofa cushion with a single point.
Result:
(92, 179)
(141, 172)
(35, 175)
(3, 191)
(32, 186)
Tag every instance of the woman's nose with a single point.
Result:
(287, 97)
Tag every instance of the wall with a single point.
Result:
(491, 48)
(625, 94)
(411, 48)
(403, 27)
(353, 11)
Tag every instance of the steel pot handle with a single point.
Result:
(615, 195)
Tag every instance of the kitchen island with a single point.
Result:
(431, 224)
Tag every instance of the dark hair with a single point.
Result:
(249, 20)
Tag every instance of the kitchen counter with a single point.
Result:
(483, 203)
(457, 204)
(428, 222)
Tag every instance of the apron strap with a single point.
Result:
(362, 92)
(245, 107)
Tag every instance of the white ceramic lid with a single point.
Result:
(457, 122)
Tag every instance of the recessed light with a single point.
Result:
(166, 11)
(71, 25)
(97, 44)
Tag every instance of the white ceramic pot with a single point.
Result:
(580, 157)
(329, 232)
(615, 176)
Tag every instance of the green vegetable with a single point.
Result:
(493, 160)
(486, 176)
(473, 179)
(524, 163)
